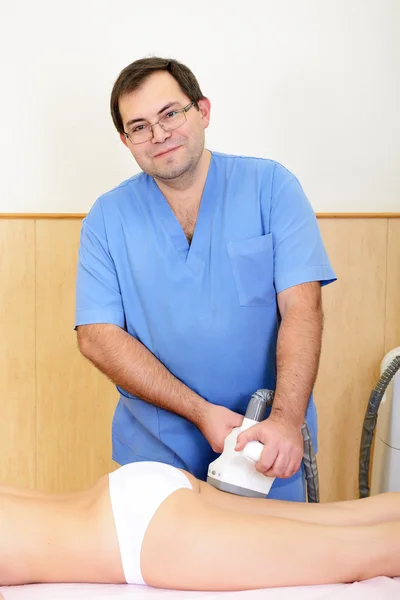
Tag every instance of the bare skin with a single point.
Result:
(198, 540)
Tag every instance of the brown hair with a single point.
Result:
(135, 74)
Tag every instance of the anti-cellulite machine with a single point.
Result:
(235, 472)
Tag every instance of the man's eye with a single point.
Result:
(170, 114)
(138, 128)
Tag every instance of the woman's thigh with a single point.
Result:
(190, 544)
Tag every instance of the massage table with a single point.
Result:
(379, 588)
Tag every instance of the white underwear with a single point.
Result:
(136, 491)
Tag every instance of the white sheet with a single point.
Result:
(379, 588)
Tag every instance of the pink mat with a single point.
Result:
(379, 588)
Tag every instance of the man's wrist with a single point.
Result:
(199, 412)
(286, 417)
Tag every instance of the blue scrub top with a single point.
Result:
(208, 311)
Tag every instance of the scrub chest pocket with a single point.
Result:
(252, 262)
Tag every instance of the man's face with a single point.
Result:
(167, 155)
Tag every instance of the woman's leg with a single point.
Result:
(194, 544)
(365, 511)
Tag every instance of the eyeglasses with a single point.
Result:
(143, 132)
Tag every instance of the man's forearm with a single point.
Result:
(135, 369)
(298, 353)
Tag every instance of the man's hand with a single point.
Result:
(283, 450)
(217, 424)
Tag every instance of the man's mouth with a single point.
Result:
(166, 151)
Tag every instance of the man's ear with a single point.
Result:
(123, 139)
(205, 111)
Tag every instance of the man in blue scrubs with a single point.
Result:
(199, 282)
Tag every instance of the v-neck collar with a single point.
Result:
(194, 255)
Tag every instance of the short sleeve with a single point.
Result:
(98, 295)
(299, 253)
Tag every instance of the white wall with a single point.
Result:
(317, 81)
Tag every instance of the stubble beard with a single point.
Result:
(186, 167)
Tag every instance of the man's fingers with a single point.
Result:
(284, 468)
(280, 458)
(243, 438)
(293, 467)
(267, 459)
(279, 466)
(290, 470)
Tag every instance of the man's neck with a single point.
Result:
(187, 189)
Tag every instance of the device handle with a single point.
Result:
(253, 450)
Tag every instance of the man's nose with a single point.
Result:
(159, 135)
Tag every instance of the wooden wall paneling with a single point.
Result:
(75, 402)
(392, 325)
(353, 346)
(17, 354)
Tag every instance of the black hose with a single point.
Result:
(369, 424)
(310, 466)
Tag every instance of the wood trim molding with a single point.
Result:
(330, 215)
(42, 215)
(360, 215)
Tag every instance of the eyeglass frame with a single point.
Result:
(183, 110)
